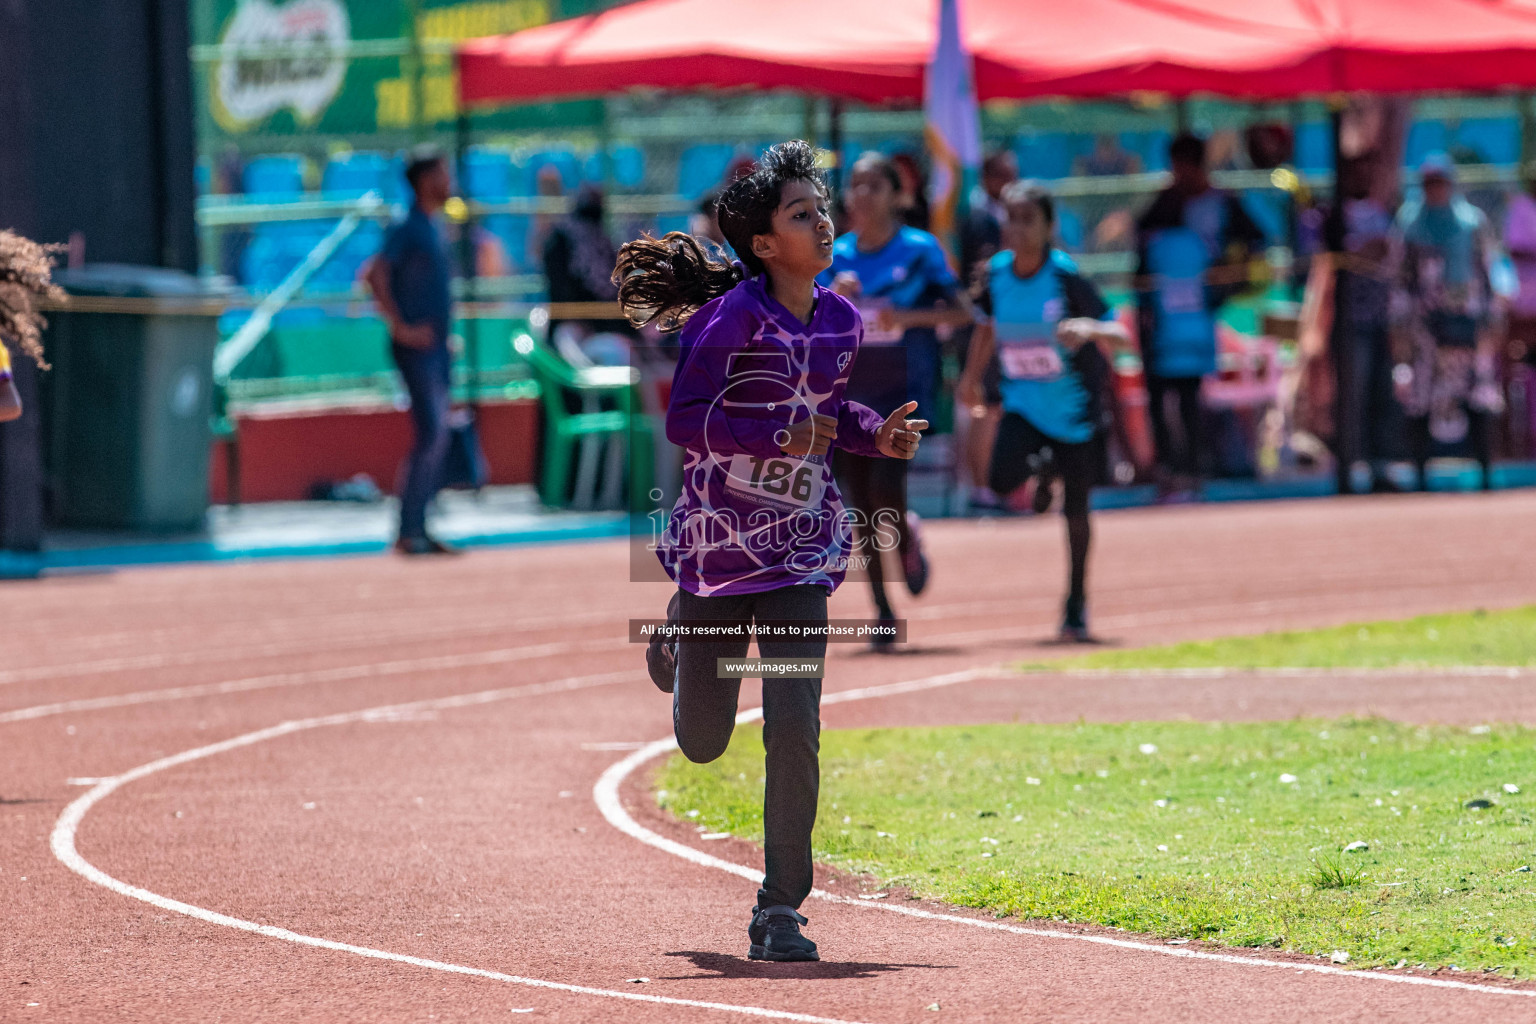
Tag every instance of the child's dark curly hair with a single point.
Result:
(667, 279)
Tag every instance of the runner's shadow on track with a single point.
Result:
(723, 965)
(906, 651)
(1093, 641)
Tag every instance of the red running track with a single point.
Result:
(447, 861)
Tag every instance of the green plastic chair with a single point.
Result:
(223, 427)
(565, 429)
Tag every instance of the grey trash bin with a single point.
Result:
(128, 403)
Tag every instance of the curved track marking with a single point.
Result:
(65, 829)
(606, 795)
(349, 641)
(341, 673)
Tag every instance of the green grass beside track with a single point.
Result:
(1236, 833)
(1462, 638)
(1204, 837)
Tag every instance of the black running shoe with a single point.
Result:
(1074, 622)
(661, 654)
(775, 935)
(1040, 502)
(424, 546)
(884, 640)
(914, 563)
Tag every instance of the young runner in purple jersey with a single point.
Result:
(760, 533)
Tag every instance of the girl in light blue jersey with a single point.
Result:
(1044, 320)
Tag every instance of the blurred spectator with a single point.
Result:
(981, 231)
(229, 180)
(1269, 145)
(740, 166)
(410, 279)
(1117, 227)
(1520, 240)
(1224, 151)
(912, 198)
(1193, 248)
(548, 185)
(490, 254)
(1359, 230)
(705, 222)
(980, 240)
(229, 171)
(578, 266)
(1108, 158)
(1445, 307)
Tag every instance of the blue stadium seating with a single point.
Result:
(1151, 147)
(350, 175)
(491, 176)
(1495, 140)
(1047, 154)
(275, 178)
(276, 248)
(487, 174)
(626, 164)
(1314, 147)
(1424, 138)
(700, 168)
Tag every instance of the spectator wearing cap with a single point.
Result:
(1443, 310)
(410, 280)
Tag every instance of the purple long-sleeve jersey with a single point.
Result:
(751, 518)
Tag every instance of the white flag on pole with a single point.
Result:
(952, 124)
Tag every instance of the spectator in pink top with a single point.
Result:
(1520, 240)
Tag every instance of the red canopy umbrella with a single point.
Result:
(876, 50)
(870, 50)
(1388, 46)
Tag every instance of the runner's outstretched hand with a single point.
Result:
(898, 436)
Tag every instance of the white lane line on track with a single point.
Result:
(351, 641)
(325, 675)
(606, 795)
(67, 827)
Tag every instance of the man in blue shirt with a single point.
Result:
(410, 282)
(1194, 244)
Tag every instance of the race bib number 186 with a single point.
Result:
(787, 481)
